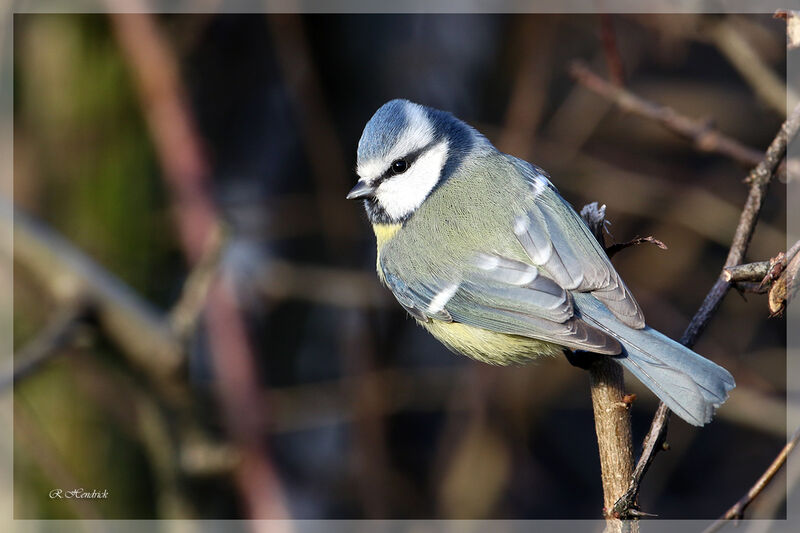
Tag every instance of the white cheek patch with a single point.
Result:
(418, 133)
(400, 195)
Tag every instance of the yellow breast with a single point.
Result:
(489, 346)
(478, 343)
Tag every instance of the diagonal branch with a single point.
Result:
(759, 179)
(703, 136)
(737, 510)
(68, 275)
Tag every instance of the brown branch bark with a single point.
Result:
(614, 441)
(746, 272)
(612, 421)
(703, 136)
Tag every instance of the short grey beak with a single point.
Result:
(361, 190)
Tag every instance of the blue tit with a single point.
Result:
(479, 247)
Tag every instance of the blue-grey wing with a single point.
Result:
(503, 295)
(559, 242)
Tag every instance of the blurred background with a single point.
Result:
(198, 324)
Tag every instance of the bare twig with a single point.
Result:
(700, 133)
(618, 247)
(654, 442)
(759, 179)
(776, 276)
(736, 512)
(746, 272)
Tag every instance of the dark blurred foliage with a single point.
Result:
(371, 417)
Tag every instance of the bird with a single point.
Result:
(483, 252)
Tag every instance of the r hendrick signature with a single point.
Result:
(76, 494)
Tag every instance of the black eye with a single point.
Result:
(399, 166)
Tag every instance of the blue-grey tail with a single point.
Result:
(691, 385)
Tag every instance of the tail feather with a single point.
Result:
(691, 386)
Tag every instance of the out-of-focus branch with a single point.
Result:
(611, 50)
(68, 275)
(744, 58)
(701, 134)
(187, 310)
(63, 331)
(337, 287)
(330, 174)
(759, 179)
(736, 512)
(187, 174)
(328, 167)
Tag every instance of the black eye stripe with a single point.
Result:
(409, 159)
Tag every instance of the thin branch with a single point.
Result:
(618, 247)
(737, 510)
(701, 134)
(759, 179)
(746, 272)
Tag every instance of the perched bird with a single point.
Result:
(479, 247)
